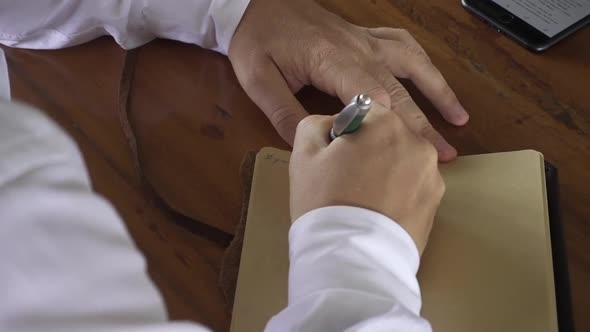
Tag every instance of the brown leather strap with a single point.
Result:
(125, 85)
(190, 224)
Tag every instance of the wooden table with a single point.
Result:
(193, 125)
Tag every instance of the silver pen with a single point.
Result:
(351, 117)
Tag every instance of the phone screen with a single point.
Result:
(548, 16)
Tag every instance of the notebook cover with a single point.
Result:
(560, 266)
(263, 290)
(488, 264)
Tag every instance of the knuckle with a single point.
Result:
(431, 152)
(426, 129)
(391, 85)
(380, 94)
(396, 123)
(327, 50)
(427, 152)
(436, 185)
(398, 95)
(392, 89)
(408, 37)
(439, 186)
(385, 128)
(397, 131)
(391, 137)
(442, 185)
(411, 50)
(416, 52)
(375, 48)
(282, 117)
(327, 57)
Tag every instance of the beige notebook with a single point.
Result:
(487, 267)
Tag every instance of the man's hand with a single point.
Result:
(283, 45)
(384, 167)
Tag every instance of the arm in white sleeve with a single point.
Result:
(66, 260)
(4, 81)
(51, 24)
(351, 270)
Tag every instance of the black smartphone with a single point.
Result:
(536, 24)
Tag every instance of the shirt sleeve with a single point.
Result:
(68, 263)
(52, 24)
(351, 270)
(4, 80)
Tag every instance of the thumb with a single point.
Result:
(267, 87)
(313, 133)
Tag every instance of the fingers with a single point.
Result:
(268, 89)
(313, 133)
(396, 34)
(418, 123)
(346, 79)
(412, 115)
(407, 59)
(381, 122)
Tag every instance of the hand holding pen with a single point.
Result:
(383, 166)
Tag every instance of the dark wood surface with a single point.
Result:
(194, 124)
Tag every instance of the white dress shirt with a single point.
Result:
(51, 24)
(67, 262)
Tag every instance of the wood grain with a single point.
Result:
(194, 124)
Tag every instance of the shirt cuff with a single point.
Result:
(4, 81)
(227, 15)
(211, 27)
(343, 245)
